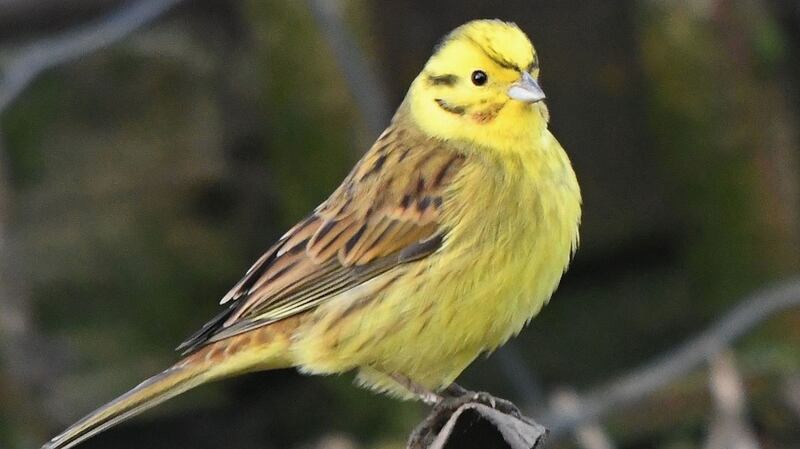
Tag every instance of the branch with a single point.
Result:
(19, 12)
(588, 435)
(36, 58)
(629, 389)
(367, 91)
(730, 427)
(474, 425)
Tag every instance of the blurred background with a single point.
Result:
(151, 150)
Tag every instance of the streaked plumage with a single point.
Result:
(446, 238)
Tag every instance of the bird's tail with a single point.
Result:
(218, 360)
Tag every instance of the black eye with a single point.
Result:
(479, 78)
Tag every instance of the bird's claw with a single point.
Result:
(499, 404)
(456, 396)
(453, 398)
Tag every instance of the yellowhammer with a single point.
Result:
(446, 238)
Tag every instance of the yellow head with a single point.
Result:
(480, 87)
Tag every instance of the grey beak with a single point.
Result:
(526, 90)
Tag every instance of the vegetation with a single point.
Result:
(140, 180)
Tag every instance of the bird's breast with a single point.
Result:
(514, 227)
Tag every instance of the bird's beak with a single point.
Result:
(526, 89)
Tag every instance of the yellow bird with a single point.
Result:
(446, 238)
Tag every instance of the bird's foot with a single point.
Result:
(455, 396)
(452, 398)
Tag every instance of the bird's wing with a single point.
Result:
(386, 212)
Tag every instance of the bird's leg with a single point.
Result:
(424, 434)
(455, 390)
(426, 396)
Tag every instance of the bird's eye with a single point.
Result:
(479, 78)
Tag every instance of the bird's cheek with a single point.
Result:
(486, 114)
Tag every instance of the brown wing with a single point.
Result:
(385, 213)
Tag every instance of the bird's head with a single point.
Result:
(480, 86)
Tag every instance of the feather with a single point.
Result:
(369, 225)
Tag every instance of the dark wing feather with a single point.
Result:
(386, 212)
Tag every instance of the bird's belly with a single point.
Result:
(473, 307)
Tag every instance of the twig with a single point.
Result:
(35, 58)
(589, 435)
(367, 91)
(730, 428)
(632, 387)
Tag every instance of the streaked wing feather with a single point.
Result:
(385, 213)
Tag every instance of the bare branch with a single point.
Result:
(730, 428)
(35, 58)
(589, 435)
(19, 11)
(631, 388)
(367, 91)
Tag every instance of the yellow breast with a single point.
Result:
(511, 254)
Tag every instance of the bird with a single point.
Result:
(447, 237)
